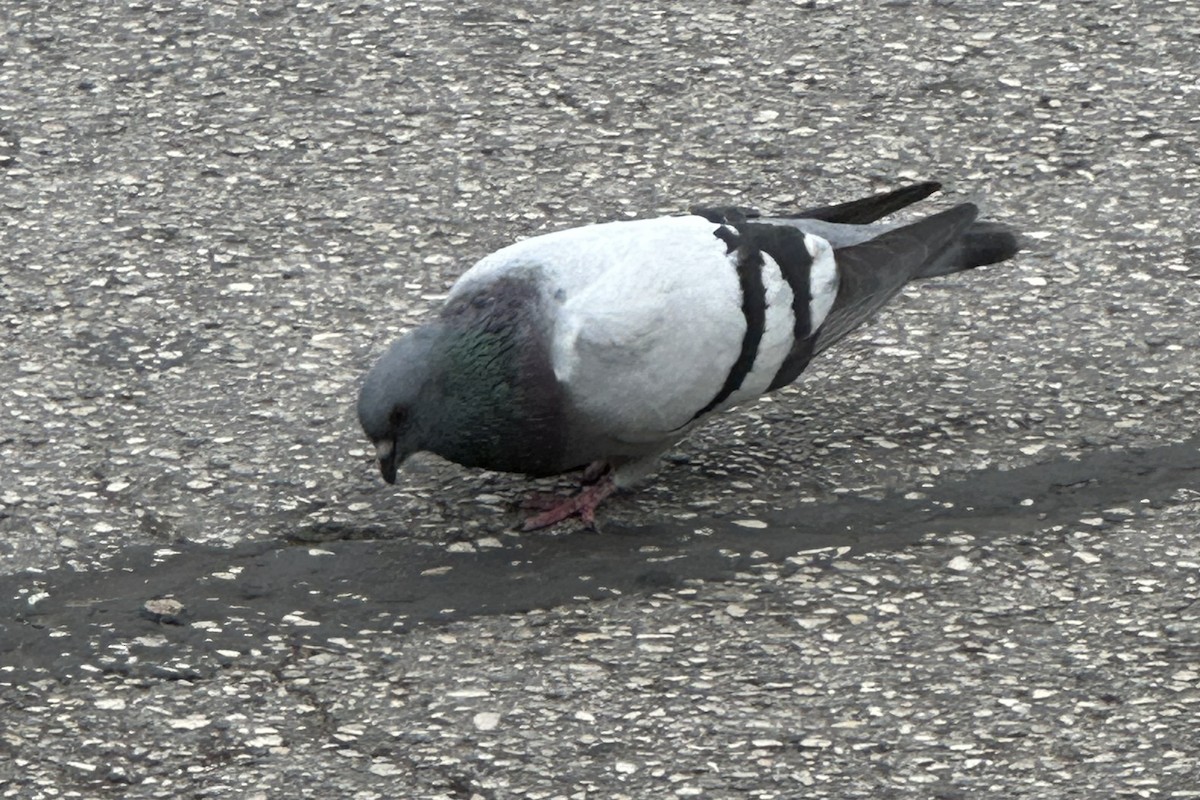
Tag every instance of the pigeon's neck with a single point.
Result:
(499, 404)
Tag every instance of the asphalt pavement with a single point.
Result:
(959, 559)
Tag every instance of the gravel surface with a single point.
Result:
(959, 559)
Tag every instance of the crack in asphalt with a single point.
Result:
(257, 599)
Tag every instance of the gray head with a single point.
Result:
(390, 406)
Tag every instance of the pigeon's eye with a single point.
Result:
(398, 417)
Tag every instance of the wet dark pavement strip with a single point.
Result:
(255, 601)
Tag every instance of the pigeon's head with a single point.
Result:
(390, 405)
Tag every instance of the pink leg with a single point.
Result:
(584, 504)
(594, 471)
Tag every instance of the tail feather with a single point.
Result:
(984, 243)
(855, 212)
(869, 209)
(872, 272)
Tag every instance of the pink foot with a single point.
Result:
(584, 504)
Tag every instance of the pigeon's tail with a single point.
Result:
(873, 271)
(983, 243)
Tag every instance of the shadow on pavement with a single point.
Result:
(265, 599)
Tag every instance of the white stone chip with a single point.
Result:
(960, 564)
(384, 769)
(191, 722)
(767, 743)
(486, 721)
(266, 740)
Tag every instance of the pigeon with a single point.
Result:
(600, 347)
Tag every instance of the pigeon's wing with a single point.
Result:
(642, 319)
(696, 317)
(641, 347)
(654, 324)
(832, 289)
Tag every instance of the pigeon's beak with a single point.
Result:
(386, 453)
